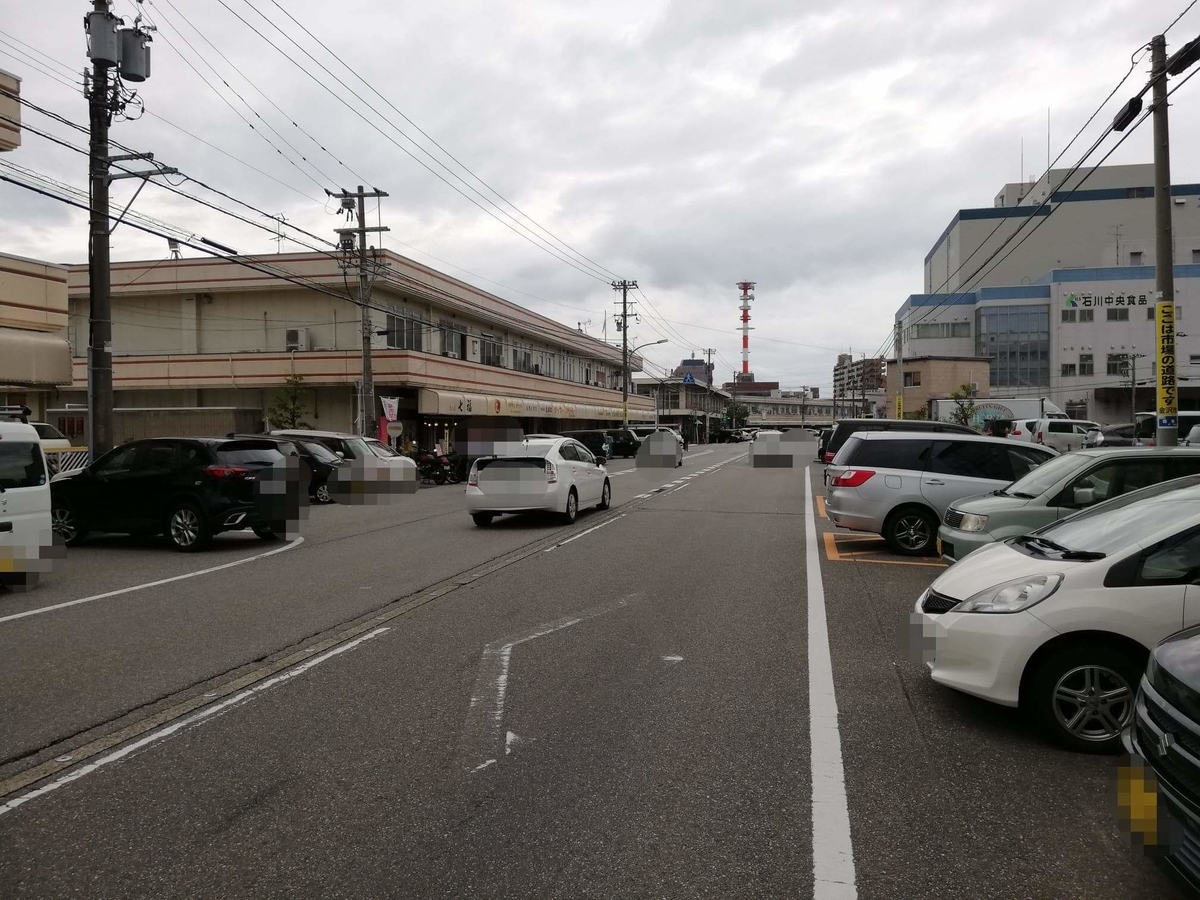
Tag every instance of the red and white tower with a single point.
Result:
(747, 295)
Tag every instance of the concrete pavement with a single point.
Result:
(642, 689)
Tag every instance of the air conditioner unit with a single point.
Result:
(449, 354)
(974, 387)
(296, 339)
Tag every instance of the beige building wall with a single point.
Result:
(34, 359)
(938, 378)
(10, 109)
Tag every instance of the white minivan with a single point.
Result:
(25, 533)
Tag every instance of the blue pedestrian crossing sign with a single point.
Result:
(689, 379)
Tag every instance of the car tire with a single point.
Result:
(1094, 678)
(911, 531)
(265, 533)
(605, 496)
(322, 494)
(482, 519)
(64, 521)
(186, 528)
(572, 509)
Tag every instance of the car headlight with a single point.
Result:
(1012, 596)
(972, 522)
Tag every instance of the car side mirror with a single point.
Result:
(1084, 496)
(601, 460)
(339, 454)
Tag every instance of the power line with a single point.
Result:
(527, 235)
(426, 135)
(1175, 21)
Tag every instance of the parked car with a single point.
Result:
(1192, 439)
(51, 437)
(624, 443)
(1163, 739)
(25, 523)
(1063, 435)
(320, 463)
(596, 440)
(822, 443)
(1018, 429)
(846, 427)
(1112, 436)
(1059, 622)
(557, 475)
(1056, 490)
(345, 446)
(899, 484)
(186, 488)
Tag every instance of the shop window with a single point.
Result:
(403, 333)
(1118, 315)
(1086, 364)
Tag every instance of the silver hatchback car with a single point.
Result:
(899, 483)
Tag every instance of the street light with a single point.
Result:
(625, 378)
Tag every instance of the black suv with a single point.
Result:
(320, 462)
(624, 442)
(186, 488)
(596, 441)
(846, 427)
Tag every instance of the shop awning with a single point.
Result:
(33, 358)
(451, 403)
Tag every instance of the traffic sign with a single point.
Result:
(689, 379)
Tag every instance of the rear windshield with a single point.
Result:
(48, 432)
(21, 465)
(249, 453)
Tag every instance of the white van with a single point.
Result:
(26, 537)
(1063, 435)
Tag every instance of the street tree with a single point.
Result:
(964, 405)
(289, 408)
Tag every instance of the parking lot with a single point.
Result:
(628, 699)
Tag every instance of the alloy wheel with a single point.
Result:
(571, 506)
(912, 532)
(1093, 703)
(323, 495)
(62, 521)
(185, 527)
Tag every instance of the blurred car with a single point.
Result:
(597, 440)
(320, 463)
(557, 475)
(345, 446)
(624, 443)
(1056, 490)
(1193, 437)
(899, 484)
(661, 449)
(1112, 436)
(25, 522)
(1063, 435)
(1162, 775)
(186, 488)
(1059, 622)
(843, 429)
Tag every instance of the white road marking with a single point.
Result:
(582, 533)
(149, 584)
(678, 489)
(833, 848)
(672, 658)
(484, 731)
(168, 730)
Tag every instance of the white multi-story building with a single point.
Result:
(1065, 315)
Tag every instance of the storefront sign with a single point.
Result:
(1090, 301)
(1168, 398)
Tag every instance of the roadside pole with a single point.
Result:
(899, 371)
(1167, 432)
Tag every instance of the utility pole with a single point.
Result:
(899, 370)
(123, 53)
(1167, 432)
(1131, 368)
(355, 202)
(624, 286)
(708, 368)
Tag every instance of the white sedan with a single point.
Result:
(1060, 622)
(554, 474)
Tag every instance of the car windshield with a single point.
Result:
(320, 452)
(241, 453)
(48, 432)
(21, 465)
(381, 449)
(357, 448)
(1128, 520)
(1039, 480)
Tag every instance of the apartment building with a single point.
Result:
(211, 332)
(852, 375)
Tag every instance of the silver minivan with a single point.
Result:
(899, 484)
(1058, 489)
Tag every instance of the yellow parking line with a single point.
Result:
(831, 550)
(821, 507)
(834, 554)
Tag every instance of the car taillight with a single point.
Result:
(853, 478)
(473, 478)
(1039, 437)
(227, 471)
(551, 473)
(828, 457)
(1016, 432)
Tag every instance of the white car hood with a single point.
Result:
(991, 565)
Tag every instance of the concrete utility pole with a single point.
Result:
(1167, 432)
(899, 370)
(355, 202)
(124, 53)
(624, 286)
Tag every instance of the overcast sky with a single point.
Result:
(687, 144)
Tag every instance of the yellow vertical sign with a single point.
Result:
(899, 404)
(1168, 397)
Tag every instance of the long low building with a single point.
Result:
(213, 333)
(35, 361)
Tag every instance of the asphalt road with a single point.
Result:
(406, 705)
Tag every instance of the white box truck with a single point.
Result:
(1000, 411)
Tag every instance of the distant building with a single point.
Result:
(852, 375)
(935, 378)
(748, 387)
(700, 370)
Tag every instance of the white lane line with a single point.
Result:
(678, 489)
(701, 453)
(484, 733)
(149, 584)
(582, 533)
(168, 730)
(833, 848)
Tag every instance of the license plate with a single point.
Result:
(1138, 802)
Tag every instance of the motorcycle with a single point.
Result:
(452, 462)
(430, 466)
